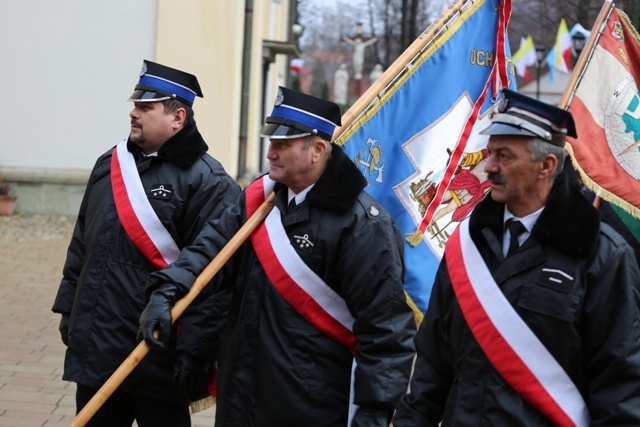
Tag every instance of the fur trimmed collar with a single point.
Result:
(568, 223)
(182, 149)
(338, 186)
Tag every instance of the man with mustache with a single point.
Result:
(146, 199)
(534, 315)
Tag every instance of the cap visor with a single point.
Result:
(278, 131)
(504, 129)
(146, 95)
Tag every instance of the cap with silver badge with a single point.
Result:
(296, 114)
(519, 114)
(159, 83)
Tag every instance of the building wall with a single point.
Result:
(69, 67)
(270, 22)
(205, 38)
(550, 91)
(211, 42)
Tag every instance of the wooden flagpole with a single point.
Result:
(581, 65)
(370, 95)
(585, 55)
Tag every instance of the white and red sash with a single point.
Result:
(303, 289)
(292, 278)
(513, 349)
(138, 218)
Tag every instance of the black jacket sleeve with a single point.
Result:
(75, 253)
(371, 273)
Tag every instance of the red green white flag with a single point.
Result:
(606, 108)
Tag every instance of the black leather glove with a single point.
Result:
(64, 328)
(191, 374)
(370, 417)
(157, 316)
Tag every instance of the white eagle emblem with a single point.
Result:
(279, 98)
(143, 71)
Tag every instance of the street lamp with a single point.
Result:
(297, 30)
(540, 54)
(578, 40)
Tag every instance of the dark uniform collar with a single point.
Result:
(568, 223)
(330, 191)
(182, 149)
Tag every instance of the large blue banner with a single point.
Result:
(418, 146)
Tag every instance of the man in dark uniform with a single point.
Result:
(319, 331)
(146, 199)
(534, 315)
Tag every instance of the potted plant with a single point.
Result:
(7, 198)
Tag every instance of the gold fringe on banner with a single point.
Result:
(415, 238)
(600, 191)
(202, 404)
(418, 315)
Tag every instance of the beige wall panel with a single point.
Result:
(270, 22)
(204, 37)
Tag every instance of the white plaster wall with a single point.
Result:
(66, 70)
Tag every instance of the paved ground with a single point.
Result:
(32, 393)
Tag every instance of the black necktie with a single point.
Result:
(292, 204)
(515, 230)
